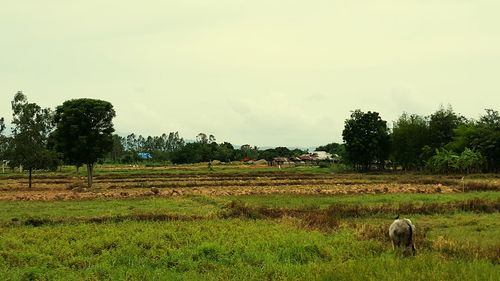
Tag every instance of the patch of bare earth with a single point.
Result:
(105, 191)
(229, 184)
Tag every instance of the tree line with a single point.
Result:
(80, 132)
(443, 142)
(171, 148)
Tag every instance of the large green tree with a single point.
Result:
(410, 134)
(366, 138)
(84, 131)
(31, 126)
(482, 136)
(442, 124)
(487, 139)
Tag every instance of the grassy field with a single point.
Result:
(246, 223)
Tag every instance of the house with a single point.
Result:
(279, 161)
(316, 156)
(322, 155)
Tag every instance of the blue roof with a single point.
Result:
(144, 155)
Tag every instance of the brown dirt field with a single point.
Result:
(234, 184)
(47, 193)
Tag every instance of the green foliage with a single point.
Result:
(4, 141)
(487, 139)
(482, 136)
(30, 131)
(409, 136)
(442, 124)
(190, 153)
(443, 162)
(117, 150)
(366, 139)
(84, 131)
(247, 152)
(270, 153)
(2, 125)
(446, 161)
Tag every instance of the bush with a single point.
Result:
(445, 161)
(324, 164)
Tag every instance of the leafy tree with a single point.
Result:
(202, 138)
(2, 125)
(486, 139)
(31, 126)
(247, 152)
(481, 136)
(410, 134)
(470, 161)
(283, 151)
(463, 136)
(297, 152)
(225, 152)
(84, 131)
(131, 143)
(366, 139)
(442, 124)
(174, 142)
(141, 143)
(446, 161)
(190, 153)
(117, 150)
(4, 141)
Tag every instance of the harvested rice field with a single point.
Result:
(245, 222)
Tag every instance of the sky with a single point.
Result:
(260, 72)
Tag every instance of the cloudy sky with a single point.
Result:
(262, 72)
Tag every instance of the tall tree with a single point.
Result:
(31, 126)
(486, 139)
(409, 136)
(84, 131)
(4, 141)
(366, 139)
(2, 125)
(174, 142)
(117, 149)
(132, 143)
(202, 138)
(247, 152)
(442, 124)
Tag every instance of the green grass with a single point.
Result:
(206, 206)
(214, 250)
(465, 228)
(315, 201)
(22, 210)
(69, 245)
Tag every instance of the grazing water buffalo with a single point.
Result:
(402, 233)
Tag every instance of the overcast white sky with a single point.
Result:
(262, 72)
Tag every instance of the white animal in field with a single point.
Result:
(402, 234)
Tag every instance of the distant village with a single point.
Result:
(308, 158)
